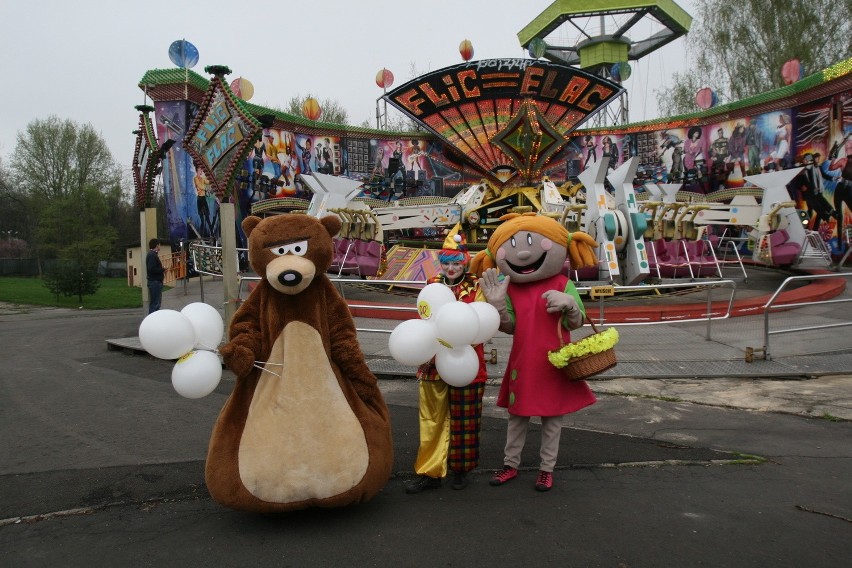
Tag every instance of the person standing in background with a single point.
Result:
(154, 268)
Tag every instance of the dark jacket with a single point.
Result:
(154, 267)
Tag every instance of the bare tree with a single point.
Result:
(738, 48)
(332, 110)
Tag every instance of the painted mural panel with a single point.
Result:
(270, 168)
(400, 168)
(810, 188)
(191, 209)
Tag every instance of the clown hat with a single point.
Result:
(455, 245)
(455, 240)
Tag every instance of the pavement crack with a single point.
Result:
(832, 515)
(144, 505)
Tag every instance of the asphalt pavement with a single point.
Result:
(102, 462)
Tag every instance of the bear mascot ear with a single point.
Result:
(249, 223)
(331, 223)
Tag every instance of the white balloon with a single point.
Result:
(208, 324)
(413, 342)
(457, 324)
(197, 374)
(431, 298)
(489, 321)
(167, 334)
(457, 367)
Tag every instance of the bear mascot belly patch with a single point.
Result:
(306, 424)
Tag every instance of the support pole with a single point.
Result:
(147, 231)
(230, 265)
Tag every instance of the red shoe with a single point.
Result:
(506, 474)
(544, 481)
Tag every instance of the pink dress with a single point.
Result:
(531, 385)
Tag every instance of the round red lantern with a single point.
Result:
(466, 49)
(384, 78)
(791, 71)
(243, 88)
(311, 109)
(705, 98)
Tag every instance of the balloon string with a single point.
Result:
(267, 370)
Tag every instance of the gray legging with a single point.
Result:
(516, 434)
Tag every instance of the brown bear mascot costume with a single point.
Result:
(306, 424)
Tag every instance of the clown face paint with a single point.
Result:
(453, 270)
(527, 257)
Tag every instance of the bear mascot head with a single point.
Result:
(306, 424)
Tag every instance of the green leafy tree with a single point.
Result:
(123, 216)
(66, 191)
(75, 227)
(75, 233)
(71, 278)
(738, 49)
(55, 158)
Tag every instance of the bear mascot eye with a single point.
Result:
(299, 248)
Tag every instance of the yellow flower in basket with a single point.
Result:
(595, 343)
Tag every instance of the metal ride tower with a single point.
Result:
(601, 36)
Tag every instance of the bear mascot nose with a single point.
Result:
(290, 278)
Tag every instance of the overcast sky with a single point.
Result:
(83, 59)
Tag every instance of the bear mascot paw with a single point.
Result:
(306, 424)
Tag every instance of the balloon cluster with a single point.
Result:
(446, 331)
(191, 336)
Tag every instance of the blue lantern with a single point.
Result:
(620, 71)
(537, 47)
(183, 54)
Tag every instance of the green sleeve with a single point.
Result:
(572, 291)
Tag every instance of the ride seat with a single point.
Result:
(782, 251)
(668, 257)
(701, 257)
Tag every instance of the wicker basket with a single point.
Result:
(579, 368)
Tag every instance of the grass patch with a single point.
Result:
(113, 293)
(747, 459)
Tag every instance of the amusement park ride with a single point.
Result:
(508, 119)
(642, 234)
